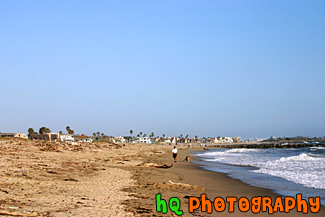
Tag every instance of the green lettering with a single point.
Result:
(174, 205)
(160, 203)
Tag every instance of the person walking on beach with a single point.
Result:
(175, 153)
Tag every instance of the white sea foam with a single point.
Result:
(317, 148)
(241, 150)
(304, 168)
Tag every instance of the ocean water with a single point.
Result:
(285, 171)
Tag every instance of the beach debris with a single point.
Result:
(15, 214)
(142, 210)
(142, 196)
(174, 185)
(70, 180)
(155, 165)
(51, 172)
(5, 191)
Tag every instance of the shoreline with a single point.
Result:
(215, 184)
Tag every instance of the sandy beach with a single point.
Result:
(56, 179)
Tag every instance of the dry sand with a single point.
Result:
(56, 179)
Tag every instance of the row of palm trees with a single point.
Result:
(144, 135)
(98, 134)
(43, 130)
(152, 135)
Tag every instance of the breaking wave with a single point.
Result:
(302, 166)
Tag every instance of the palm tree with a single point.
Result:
(102, 134)
(30, 132)
(152, 134)
(181, 136)
(68, 129)
(186, 136)
(43, 130)
(164, 135)
(144, 135)
(98, 133)
(131, 132)
(140, 133)
(94, 134)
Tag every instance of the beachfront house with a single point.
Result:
(14, 135)
(82, 138)
(167, 140)
(99, 138)
(226, 139)
(171, 140)
(126, 139)
(122, 139)
(46, 136)
(66, 138)
(145, 140)
(158, 139)
(183, 140)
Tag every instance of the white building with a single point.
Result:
(227, 139)
(124, 139)
(145, 140)
(224, 140)
(66, 138)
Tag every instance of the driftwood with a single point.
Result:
(165, 166)
(4, 191)
(183, 185)
(174, 185)
(15, 214)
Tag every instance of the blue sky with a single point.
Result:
(206, 68)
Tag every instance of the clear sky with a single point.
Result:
(206, 68)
